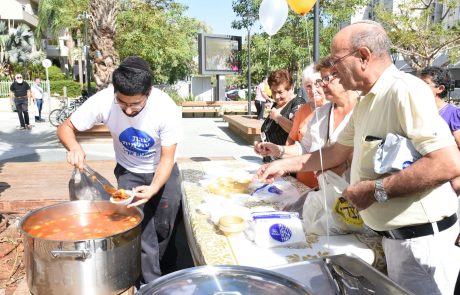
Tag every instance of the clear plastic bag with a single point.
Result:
(89, 185)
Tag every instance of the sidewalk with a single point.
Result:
(203, 137)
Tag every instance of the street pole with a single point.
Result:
(48, 90)
(249, 71)
(88, 63)
(316, 33)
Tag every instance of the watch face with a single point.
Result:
(380, 196)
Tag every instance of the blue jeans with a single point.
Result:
(39, 107)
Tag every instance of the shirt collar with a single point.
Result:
(382, 81)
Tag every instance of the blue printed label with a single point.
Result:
(274, 190)
(137, 142)
(272, 216)
(406, 164)
(280, 232)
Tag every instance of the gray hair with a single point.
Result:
(372, 36)
(310, 74)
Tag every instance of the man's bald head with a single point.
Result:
(365, 33)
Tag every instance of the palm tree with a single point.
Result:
(56, 17)
(16, 48)
(103, 22)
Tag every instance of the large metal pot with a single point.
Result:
(107, 265)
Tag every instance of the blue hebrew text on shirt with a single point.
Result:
(137, 142)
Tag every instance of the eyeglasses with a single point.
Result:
(18, 77)
(325, 80)
(335, 62)
(133, 106)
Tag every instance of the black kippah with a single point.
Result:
(135, 62)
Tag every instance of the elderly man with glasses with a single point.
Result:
(20, 94)
(146, 127)
(413, 207)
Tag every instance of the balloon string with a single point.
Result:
(269, 54)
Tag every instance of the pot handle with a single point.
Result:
(84, 253)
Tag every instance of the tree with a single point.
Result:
(103, 23)
(291, 48)
(416, 36)
(60, 16)
(162, 36)
(16, 50)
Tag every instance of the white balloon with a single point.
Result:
(273, 15)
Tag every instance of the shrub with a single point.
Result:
(73, 87)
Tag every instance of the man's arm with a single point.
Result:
(431, 170)
(30, 96)
(66, 134)
(332, 156)
(144, 193)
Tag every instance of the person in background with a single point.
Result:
(38, 94)
(20, 94)
(414, 209)
(315, 98)
(278, 124)
(439, 81)
(261, 99)
(326, 122)
(146, 128)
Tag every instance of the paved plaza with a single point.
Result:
(203, 137)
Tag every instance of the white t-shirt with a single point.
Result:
(137, 140)
(37, 91)
(317, 130)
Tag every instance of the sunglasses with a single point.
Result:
(18, 77)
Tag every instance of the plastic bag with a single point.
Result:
(88, 185)
(276, 229)
(394, 153)
(343, 219)
(283, 194)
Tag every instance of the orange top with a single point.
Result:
(301, 119)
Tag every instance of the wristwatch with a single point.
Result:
(379, 193)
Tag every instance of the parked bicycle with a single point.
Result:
(57, 116)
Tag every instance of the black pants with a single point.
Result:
(22, 106)
(160, 214)
(260, 107)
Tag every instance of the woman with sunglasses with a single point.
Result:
(326, 123)
(21, 95)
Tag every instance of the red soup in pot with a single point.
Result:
(82, 226)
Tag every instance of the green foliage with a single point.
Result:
(73, 87)
(175, 97)
(292, 47)
(55, 74)
(418, 37)
(164, 37)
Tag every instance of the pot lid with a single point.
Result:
(223, 280)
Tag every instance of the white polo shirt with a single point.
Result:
(403, 104)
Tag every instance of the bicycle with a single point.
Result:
(57, 116)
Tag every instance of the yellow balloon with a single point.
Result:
(301, 7)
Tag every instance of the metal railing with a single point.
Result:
(5, 87)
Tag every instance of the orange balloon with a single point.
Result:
(301, 7)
